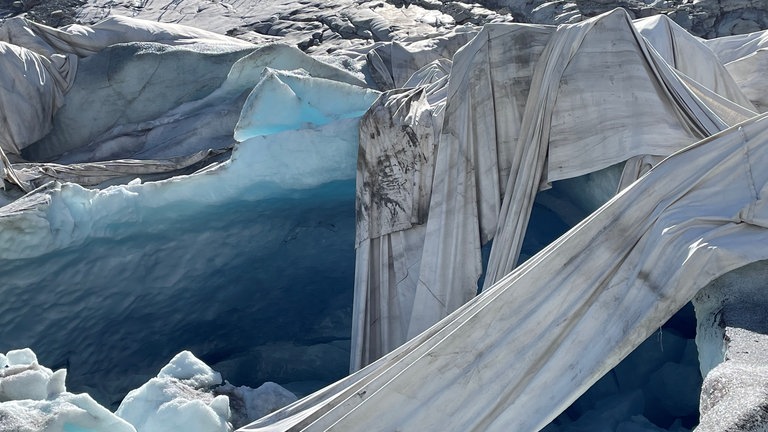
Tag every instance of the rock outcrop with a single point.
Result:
(323, 27)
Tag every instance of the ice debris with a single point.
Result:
(34, 398)
(187, 395)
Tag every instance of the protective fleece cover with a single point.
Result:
(525, 105)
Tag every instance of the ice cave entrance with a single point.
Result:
(657, 386)
(261, 290)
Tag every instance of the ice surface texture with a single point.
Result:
(109, 281)
(33, 398)
(177, 399)
(186, 395)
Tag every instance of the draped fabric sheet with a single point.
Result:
(88, 40)
(391, 234)
(31, 91)
(746, 59)
(732, 48)
(393, 63)
(642, 107)
(526, 105)
(749, 73)
(505, 361)
(98, 173)
(394, 184)
(687, 54)
(396, 162)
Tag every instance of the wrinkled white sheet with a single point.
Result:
(749, 73)
(98, 173)
(688, 55)
(388, 270)
(88, 40)
(746, 58)
(525, 105)
(393, 63)
(731, 48)
(505, 361)
(31, 91)
(394, 184)
(638, 106)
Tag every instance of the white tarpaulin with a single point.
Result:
(688, 54)
(467, 104)
(504, 361)
(394, 184)
(746, 58)
(393, 63)
(527, 105)
(637, 105)
(31, 91)
(88, 40)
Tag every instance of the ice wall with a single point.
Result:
(248, 264)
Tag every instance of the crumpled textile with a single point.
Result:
(505, 360)
(526, 105)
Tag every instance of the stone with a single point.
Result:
(743, 26)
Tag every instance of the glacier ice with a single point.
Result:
(65, 413)
(294, 101)
(21, 377)
(178, 399)
(34, 398)
(188, 368)
(250, 404)
(178, 254)
(186, 395)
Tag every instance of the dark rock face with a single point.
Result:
(731, 336)
(704, 18)
(55, 13)
(324, 27)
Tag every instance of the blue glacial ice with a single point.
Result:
(248, 263)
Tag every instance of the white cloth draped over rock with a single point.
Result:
(33, 87)
(527, 105)
(504, 361)
(746, 58)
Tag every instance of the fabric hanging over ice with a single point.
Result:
(697, 215)
(512, 120)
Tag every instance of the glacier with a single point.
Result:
(35, 398)
(99, 241)
(103, 259)
(232, 215)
